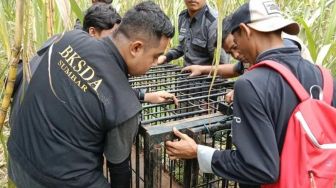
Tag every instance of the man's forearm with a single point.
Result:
(174, 53)
(227, 71)
(224, 70)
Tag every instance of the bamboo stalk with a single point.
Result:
(15, 55)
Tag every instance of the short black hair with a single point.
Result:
(101, 16)
(146, 19)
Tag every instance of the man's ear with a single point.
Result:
(92, 31)
(136, 47)
(245, 30)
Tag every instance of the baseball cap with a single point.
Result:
(263, 16)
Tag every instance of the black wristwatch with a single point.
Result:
(142, 93)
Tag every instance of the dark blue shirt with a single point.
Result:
(263, 103)
(197, 38)
(70, 104)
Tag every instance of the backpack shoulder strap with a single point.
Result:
(287, 75)
(328, 84)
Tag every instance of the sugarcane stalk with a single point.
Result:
(49, 14)
(15, 56)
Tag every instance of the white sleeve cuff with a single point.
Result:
(204, 157)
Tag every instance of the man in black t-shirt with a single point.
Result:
(100, 21)
(79, 92)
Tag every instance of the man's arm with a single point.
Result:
(172, 54)
(256, 159)
(224, 70)
(176, 52)
(155, 97)
(160, 97)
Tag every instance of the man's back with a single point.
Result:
(263, 104)
(59, 136)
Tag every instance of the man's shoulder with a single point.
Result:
(260, 77)
(257, 73)
(76, 33)
(183, 13)
(211, 14)
(81, 39)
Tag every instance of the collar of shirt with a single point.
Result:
(276, 52)
(114, 50)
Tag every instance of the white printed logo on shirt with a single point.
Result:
(237, 119)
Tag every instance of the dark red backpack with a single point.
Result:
(308, 157)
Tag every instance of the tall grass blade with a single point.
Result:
(77, 10)
(331, 31)
(64, 11)
(323, 54)
(310, 38)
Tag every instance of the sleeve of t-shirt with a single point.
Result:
(174, 53)
(136, 92)
(204, 157)
(256, 158)
(239, 68)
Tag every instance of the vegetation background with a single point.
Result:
(44, 18)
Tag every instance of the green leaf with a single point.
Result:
(310, 38)
(322, 54)
(4, 35)
(63, 8)
(331, 26)
(75, 8)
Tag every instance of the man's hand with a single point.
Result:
(185, 148)
(229, 96)
(162, 59)
(160, 97)
(195, 70)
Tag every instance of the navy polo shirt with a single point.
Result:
(72, 101)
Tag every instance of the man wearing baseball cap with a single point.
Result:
(263, 100)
